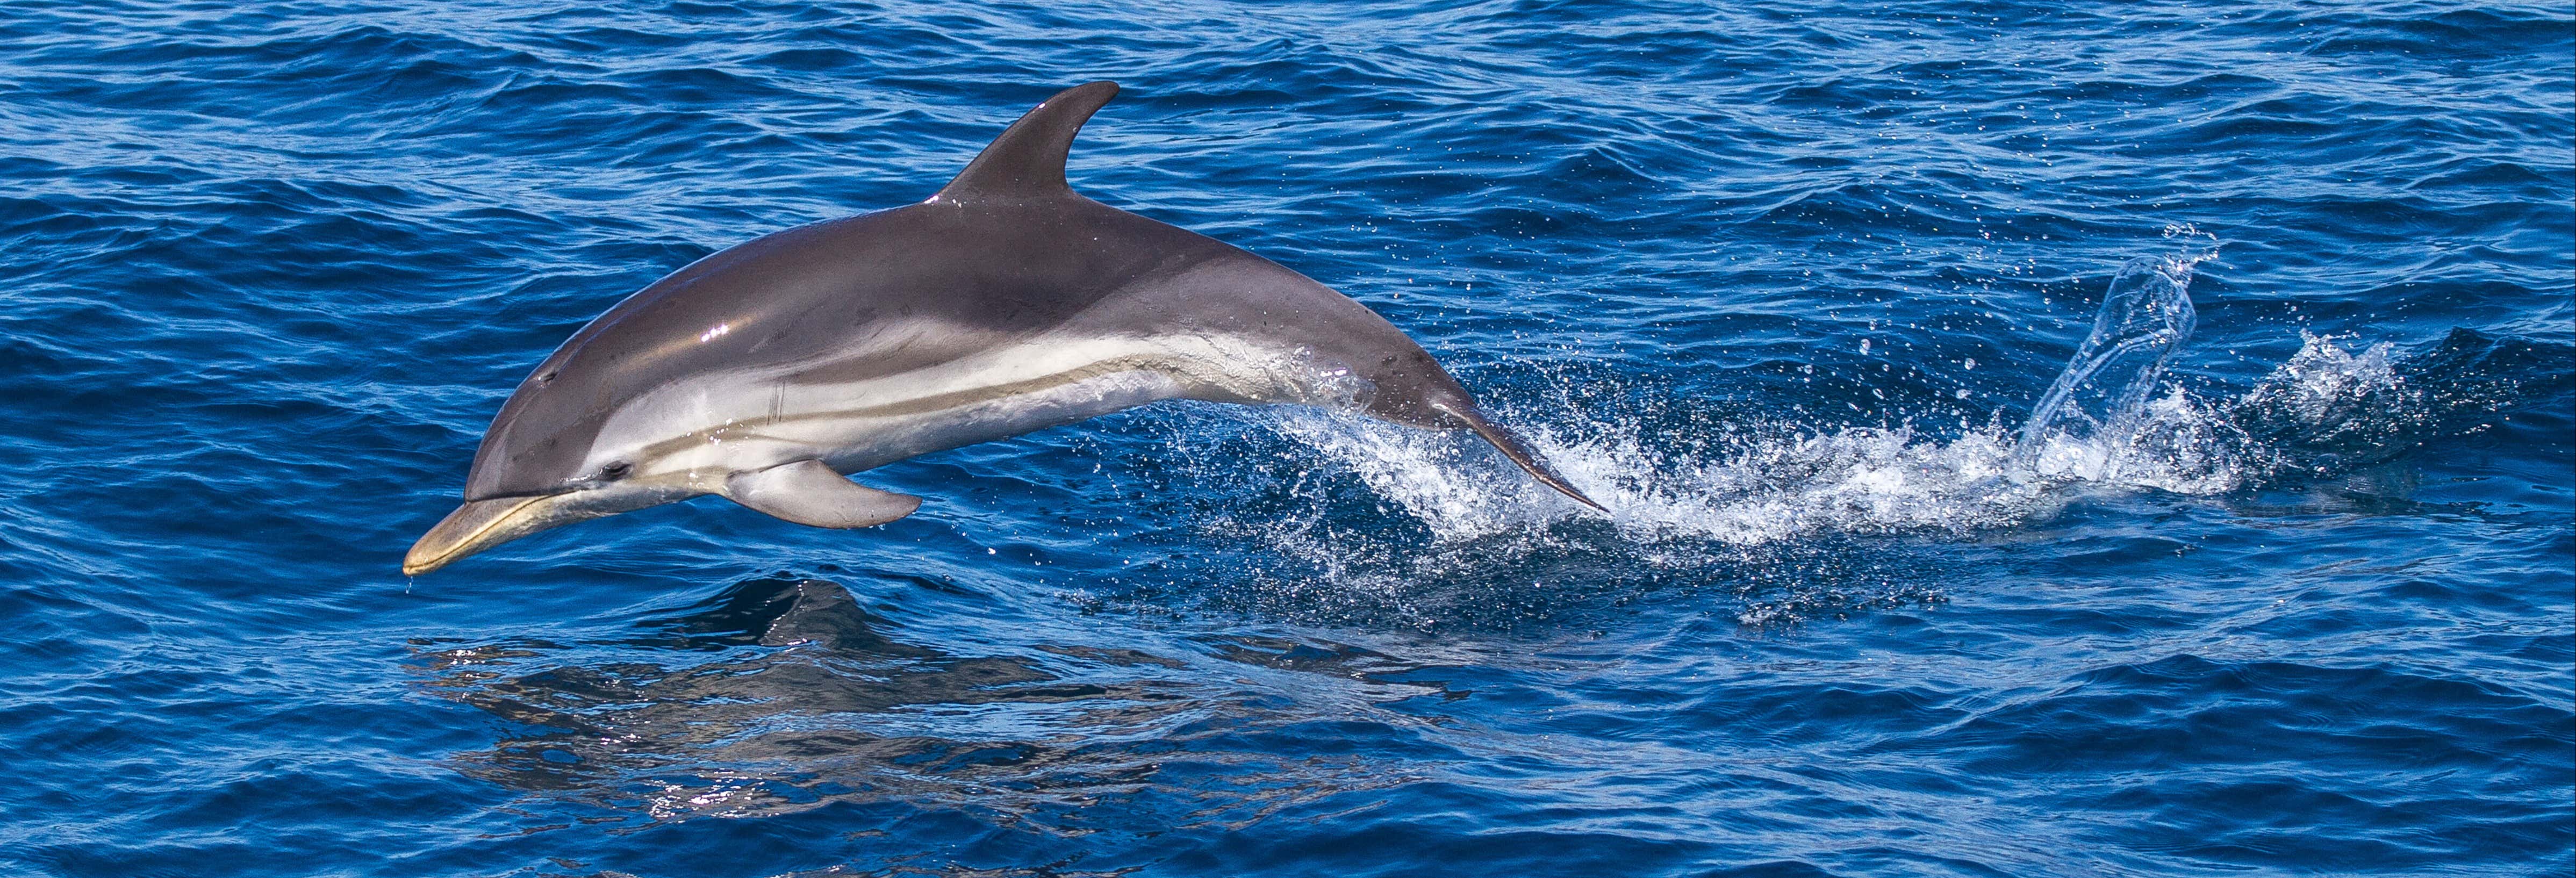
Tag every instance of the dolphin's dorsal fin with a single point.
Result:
(1027, 161)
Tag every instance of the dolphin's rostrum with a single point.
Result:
(1003, 304)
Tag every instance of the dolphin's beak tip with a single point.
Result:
(422, 558)
(412, 566)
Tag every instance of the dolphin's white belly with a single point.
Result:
(746, 420)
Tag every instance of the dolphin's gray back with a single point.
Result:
(913, 288)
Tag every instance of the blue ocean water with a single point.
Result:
(2281, 579)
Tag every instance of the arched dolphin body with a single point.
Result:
(1004, 304)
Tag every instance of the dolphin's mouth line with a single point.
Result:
(512, 495)
(449, 547)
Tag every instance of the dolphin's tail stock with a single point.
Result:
(1511, 446)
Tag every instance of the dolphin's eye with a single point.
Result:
(615, 471)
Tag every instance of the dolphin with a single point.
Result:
(1005, 303)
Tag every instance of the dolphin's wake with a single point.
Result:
(2111, 424)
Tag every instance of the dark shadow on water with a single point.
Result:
(783, 695)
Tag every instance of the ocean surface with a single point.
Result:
(2038, 439)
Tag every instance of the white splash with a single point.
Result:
(1773, 486)
(2110, 423)
(1466, 538)
(2321, 383)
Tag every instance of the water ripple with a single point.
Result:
(1785, 287)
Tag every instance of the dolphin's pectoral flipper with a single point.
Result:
(808, 492)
